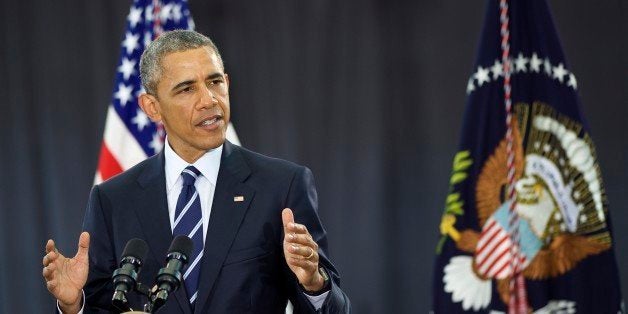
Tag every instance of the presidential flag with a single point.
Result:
(130, 136)
(526, 226)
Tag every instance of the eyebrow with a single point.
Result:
(214, 76)
(184, 83)
(190, 82)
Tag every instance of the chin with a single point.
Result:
(214, 143)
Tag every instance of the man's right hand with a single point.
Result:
(65, 277)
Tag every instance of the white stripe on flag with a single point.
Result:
(491, 248)
(488, 232)
(97, 178)
(121, 143)
(495, 236)
(505, 271)
(492, 257)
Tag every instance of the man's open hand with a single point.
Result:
(65, 277)
(301, 252)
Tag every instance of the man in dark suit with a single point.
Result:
(250, 255)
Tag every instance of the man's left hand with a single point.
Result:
(301, 253)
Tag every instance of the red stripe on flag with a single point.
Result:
(503, 268)
(487, 228)
(493, 234)
(499, 257)
(107, 164)
(495, 251)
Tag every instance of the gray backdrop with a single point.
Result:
(367, 93)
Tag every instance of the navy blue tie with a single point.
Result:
(189, 221)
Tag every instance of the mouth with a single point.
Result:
(210, 123)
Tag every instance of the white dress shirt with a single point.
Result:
(208, 165)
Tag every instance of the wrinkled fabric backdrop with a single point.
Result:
(368, 94)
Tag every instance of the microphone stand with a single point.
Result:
(145, 291)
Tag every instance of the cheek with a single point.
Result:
(177, 115)
(227, 110)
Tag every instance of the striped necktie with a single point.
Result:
(189, 221)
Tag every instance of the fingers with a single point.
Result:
(51, 285)
(48, 261)
(83, 245)
(49, 258)
(306, 264)
(302, 252)
(50, 245)
(51, 251)
(295, 228)
(298, 242)
(297, 239)
(300, 249)
(303, 239)
(302, 246)
(48, 272)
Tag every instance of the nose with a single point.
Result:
(207, 99)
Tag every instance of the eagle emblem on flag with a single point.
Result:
(560, 202)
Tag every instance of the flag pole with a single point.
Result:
(518, 303)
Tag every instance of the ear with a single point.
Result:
(227, 80)
(150, 106)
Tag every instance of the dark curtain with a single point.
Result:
(368, 94)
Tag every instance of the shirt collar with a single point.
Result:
(208, 165)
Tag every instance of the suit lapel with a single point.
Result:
(225, 218)
(152, 212)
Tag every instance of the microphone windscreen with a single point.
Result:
(136, 248)
(181, 244)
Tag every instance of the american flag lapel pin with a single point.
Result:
(238, 198)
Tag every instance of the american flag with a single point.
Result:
(494, 250)
(130, 136)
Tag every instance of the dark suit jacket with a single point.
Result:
(243, 268)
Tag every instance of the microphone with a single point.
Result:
(169, 278)
(125, 277)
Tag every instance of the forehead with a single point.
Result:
(198, 61)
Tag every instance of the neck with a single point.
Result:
(189, 154)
